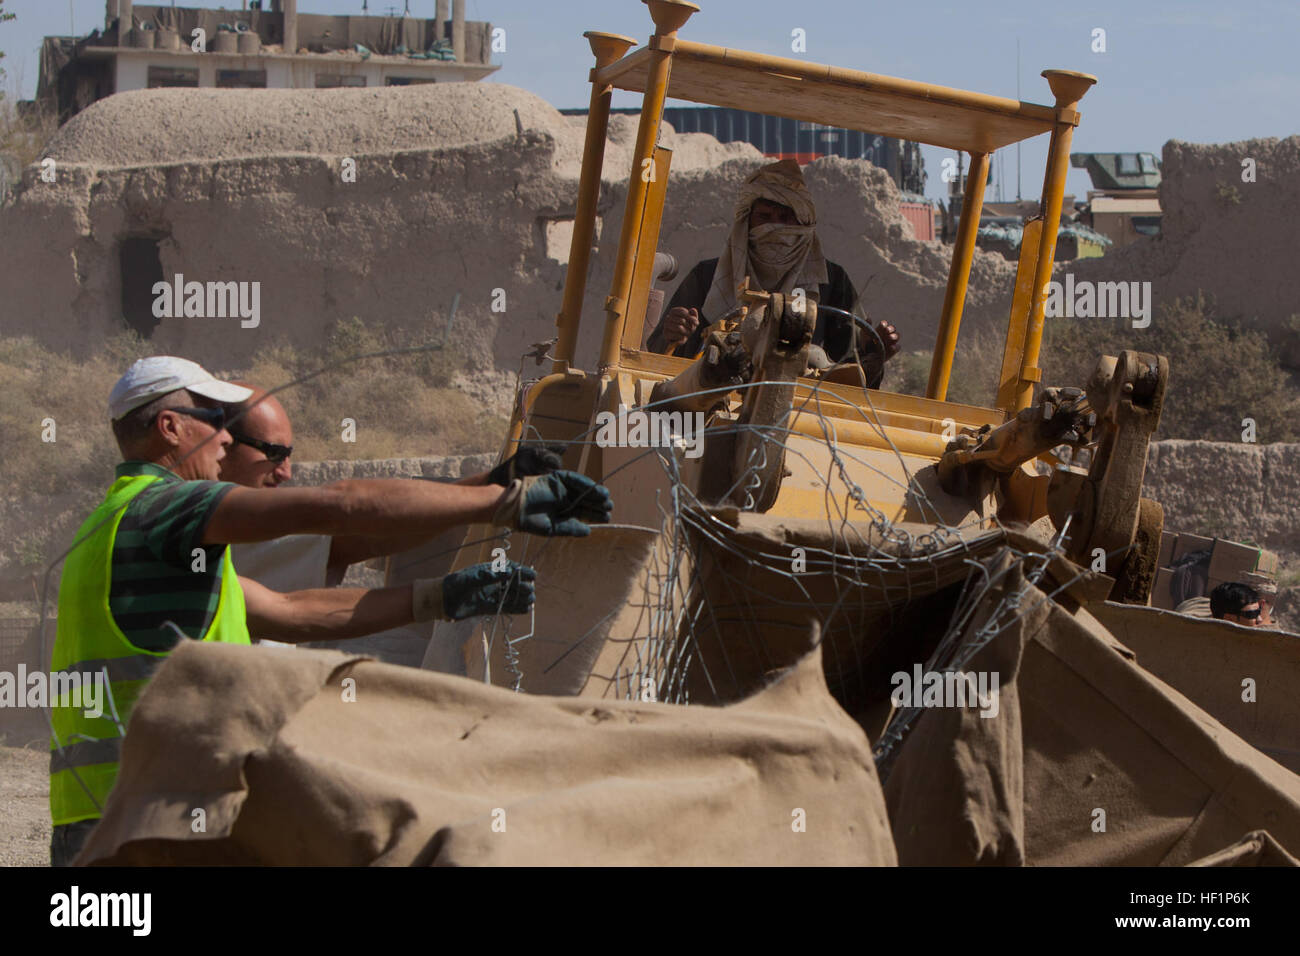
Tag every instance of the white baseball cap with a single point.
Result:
(157, 375)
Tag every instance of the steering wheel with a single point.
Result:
(857, 320)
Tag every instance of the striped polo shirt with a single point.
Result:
(157, 575)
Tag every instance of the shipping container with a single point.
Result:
(921, 216)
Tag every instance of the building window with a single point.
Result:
(160, 76)
(1128, 164)
(1146, 225)
(241, 79)
(407, 80)
(140, 266)
(331, 81)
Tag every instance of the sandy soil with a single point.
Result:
(24, 807)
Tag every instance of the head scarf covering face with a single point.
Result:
(776, 257)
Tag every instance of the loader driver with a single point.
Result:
(151, 565)
(774, 242)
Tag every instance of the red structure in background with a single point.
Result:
(921, 216)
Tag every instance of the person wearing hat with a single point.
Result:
(773, 241)
(151, 565)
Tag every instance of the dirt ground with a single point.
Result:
(24, 807)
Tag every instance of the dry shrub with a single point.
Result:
(1219, 373)
(403, 406)
(43, 385)
(52, 485)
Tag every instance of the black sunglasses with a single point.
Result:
(273, 452)
(215, 417)
(1250, 615)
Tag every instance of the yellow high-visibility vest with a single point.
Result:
(89, 642)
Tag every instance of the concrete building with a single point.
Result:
(151, 46)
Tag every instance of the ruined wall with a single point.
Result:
(1228, 489)
(1234, 490)
(1232, 239)
(459, 187)
(450, 467)
(465, 187)
(455, 187)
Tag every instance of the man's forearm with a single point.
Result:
(348, 550)
(328, 614)
(383, 508)
(372, 508)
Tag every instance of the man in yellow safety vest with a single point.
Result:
(151, 566)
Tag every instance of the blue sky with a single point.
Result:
(1173, 69)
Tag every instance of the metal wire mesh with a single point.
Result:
(869, 566)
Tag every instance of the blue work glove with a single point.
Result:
(477, 591)
(528, 460)
(562, 503)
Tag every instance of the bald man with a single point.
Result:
(259, 457)
(263, 442)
